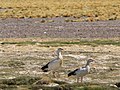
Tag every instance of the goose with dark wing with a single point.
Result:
(55, 64)
(81, 72)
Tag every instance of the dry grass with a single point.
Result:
(88, 10)
(59, 42)
(20, 66)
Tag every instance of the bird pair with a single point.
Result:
(56, 63)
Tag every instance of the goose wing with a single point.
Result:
(73, 72)
(51, 65)
(79, 72)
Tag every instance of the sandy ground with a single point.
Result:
(58, 28)
(18, 60)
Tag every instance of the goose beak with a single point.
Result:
(93, 60)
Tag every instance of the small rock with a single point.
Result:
(45, 32)
(42, 21)
(43, 81)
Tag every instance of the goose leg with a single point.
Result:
(77, 79)
(58, 74)
(50, 74)
(81, 79)
(54, 75)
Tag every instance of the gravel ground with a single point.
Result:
(58, 28)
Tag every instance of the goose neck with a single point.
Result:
(59, 55)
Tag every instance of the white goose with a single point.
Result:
(81, 72)
(55, 64)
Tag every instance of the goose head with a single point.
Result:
(59, 49)
(90, 60)
(59, 53)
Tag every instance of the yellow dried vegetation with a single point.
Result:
(85, 10)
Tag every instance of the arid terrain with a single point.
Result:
(31, 31)
(89, 10)
(26, 60)
(58, 28)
